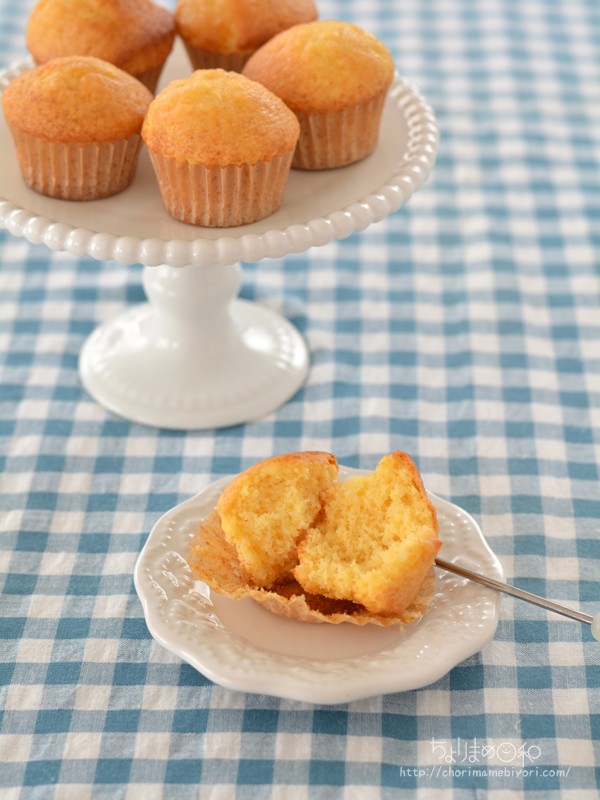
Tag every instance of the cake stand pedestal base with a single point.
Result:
(194, 357)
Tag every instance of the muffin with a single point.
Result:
(75, 124)
(335, 77)
(134, 35)
(221, 146)
(225, 33)
(290, 535)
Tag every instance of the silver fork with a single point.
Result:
(521, 594)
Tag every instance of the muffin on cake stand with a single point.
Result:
(196, 356)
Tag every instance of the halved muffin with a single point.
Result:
(290, 535)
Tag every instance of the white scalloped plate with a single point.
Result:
(318, 207)
(241, 646)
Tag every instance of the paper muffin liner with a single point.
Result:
(206, 59)
(221, 197)
(151, 77)
(76, 171)
(213, 560)
(336, 138)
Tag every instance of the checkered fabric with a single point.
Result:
(463, 329)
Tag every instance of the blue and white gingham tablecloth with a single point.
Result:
(464, 329)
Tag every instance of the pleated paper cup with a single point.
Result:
(68, 171)
(207, 59)
(151, 77)
(221, 197)
(337, 138)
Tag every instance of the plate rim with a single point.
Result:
(292, 688)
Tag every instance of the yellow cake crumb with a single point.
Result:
(266, 509)
(375, 541)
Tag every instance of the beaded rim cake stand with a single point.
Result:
(196, 356)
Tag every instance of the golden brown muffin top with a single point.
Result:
(323, 66)
(75, 100)
(135, 35)
(238, 26)
(217, 118)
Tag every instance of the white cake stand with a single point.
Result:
(195, 356)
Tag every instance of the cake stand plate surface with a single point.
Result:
(196, 356)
